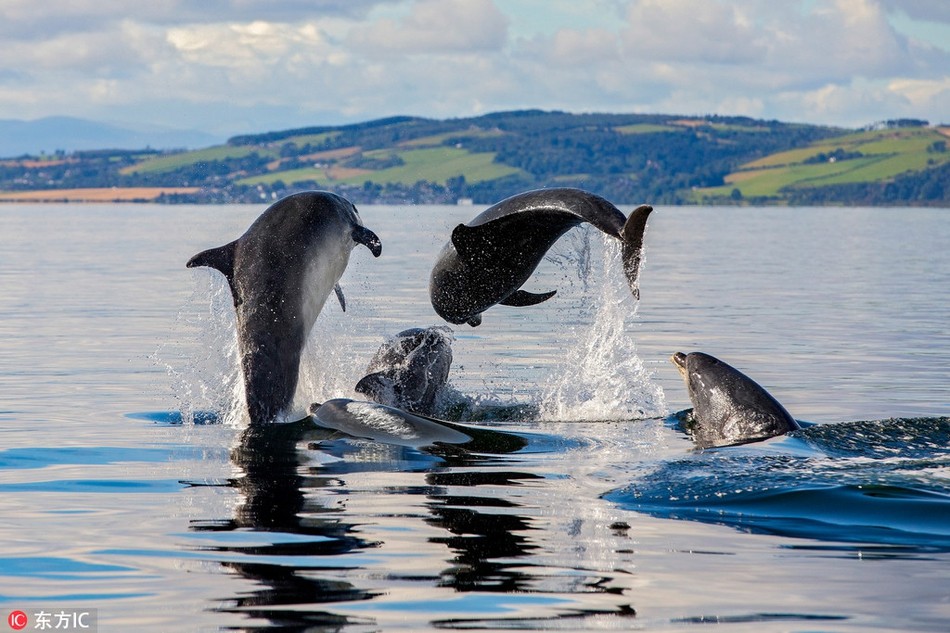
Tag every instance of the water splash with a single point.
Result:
(329, 367)
(210, 381)
(601, 377)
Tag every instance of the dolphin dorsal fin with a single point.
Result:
(221, 258)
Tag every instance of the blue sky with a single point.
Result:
(236, 66)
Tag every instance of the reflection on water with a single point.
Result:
(611, 524)
(479, 540)
(273, 501)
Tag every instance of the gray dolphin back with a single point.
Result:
(728, 407)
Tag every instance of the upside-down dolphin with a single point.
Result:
(389, 425)
(281, 272)
(728, 406)
(410, 370)
(487, 260)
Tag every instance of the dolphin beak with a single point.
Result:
(362, 235)
(679, 360)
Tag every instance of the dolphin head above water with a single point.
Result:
(728, 406)
(281, 272)
(410, 370)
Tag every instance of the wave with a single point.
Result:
(884, 482)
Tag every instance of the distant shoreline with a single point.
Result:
(95, 194)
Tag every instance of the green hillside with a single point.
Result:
(183, 160)
(862, 157)
(409, 166)
(628, 158)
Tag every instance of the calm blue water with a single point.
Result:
(606, 520)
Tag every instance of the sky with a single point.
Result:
(238, 66)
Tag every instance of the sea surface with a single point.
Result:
(130, 487)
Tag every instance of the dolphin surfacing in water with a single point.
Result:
(410, 370)
(281, 272)
(488, 260)
(728, 407)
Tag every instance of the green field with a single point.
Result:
(312, 139)
(432, 164)
(884, 155)
(646, 128)
(438, 164)
(288, 177)
(438, 139)
(171, 162)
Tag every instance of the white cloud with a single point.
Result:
(29, 19)
(690, 31)
(240, 66)
(923, 93)
(591, 47)
(434, 27)
(931, 10)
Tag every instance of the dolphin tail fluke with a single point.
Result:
(632, 250)
(362, 235)
(521, 298)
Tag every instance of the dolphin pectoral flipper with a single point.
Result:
(362, 235)
(339, 295)
(631, 237)
(521, 298)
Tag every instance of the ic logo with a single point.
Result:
(17, 620)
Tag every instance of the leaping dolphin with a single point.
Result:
(281, 272)
(728, 407)
(487, 260)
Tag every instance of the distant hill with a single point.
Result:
(628, 158)
(68, 134)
